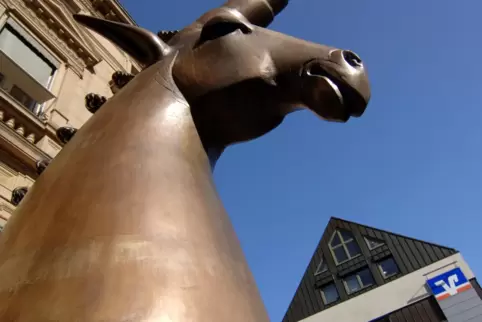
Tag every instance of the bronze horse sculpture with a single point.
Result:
(125, 224)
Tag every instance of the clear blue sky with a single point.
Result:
(412, 164)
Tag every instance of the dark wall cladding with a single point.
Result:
(425, 310)
(409, 254)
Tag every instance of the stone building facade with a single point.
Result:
(48, 65)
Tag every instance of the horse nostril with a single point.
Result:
(315, 69)
(352, 58)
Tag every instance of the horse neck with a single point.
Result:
(126, 222)
(141, 144)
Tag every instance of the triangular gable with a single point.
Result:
(375, 244)
(376, 234)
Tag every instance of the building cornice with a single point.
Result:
(45, 28)
(65, 33)
(108, 9)
(85, 37)
(78, 49)
(87, 5)
(112, 10)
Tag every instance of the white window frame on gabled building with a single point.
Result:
(322, 267)
(378, 242)
(347, 243)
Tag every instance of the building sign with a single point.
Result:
(449, 284)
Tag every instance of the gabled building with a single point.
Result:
(364, 274)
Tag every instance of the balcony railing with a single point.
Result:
(22, 132)
(20, 119)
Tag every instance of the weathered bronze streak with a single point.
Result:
(125, 224)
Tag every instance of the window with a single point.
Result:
(359, 280)
(388, 267)
(343, 246)
(25, 55)
(26, 67)
(329, 293)
(322, 267)
(23, 98)
(373, 243)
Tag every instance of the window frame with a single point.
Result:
(10, 27)
(343, 244)
(24, 35)
(322, 292)
(322, 262)
(359, 281)
(368, 239)
(17, 93)
(381, 270)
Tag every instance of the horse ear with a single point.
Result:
(143, 45)
(258, 12)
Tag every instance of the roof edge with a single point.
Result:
(332, 218)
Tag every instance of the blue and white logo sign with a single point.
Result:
(449, 284)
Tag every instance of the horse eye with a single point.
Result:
(218, 29)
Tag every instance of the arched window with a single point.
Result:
(343, 246)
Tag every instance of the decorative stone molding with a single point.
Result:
(19, 143)
(18, 194)
(50, 147)
(42, 165)
(20, 130)
(90, 8)
(69, 40)
(94, 101)
(167, 35)
(11, 123)
(31, 138)
(75, 34)
(19, 119)
(38, 22)
(121, 79)
(7, 177)
(112, 10)
(57, 119)
(10, 182)
(65, 133)
(93, 44)
(50, 20)
(6, 209)
(73, 5)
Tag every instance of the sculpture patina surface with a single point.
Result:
(125, 224)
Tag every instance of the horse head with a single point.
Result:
(241, 79)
